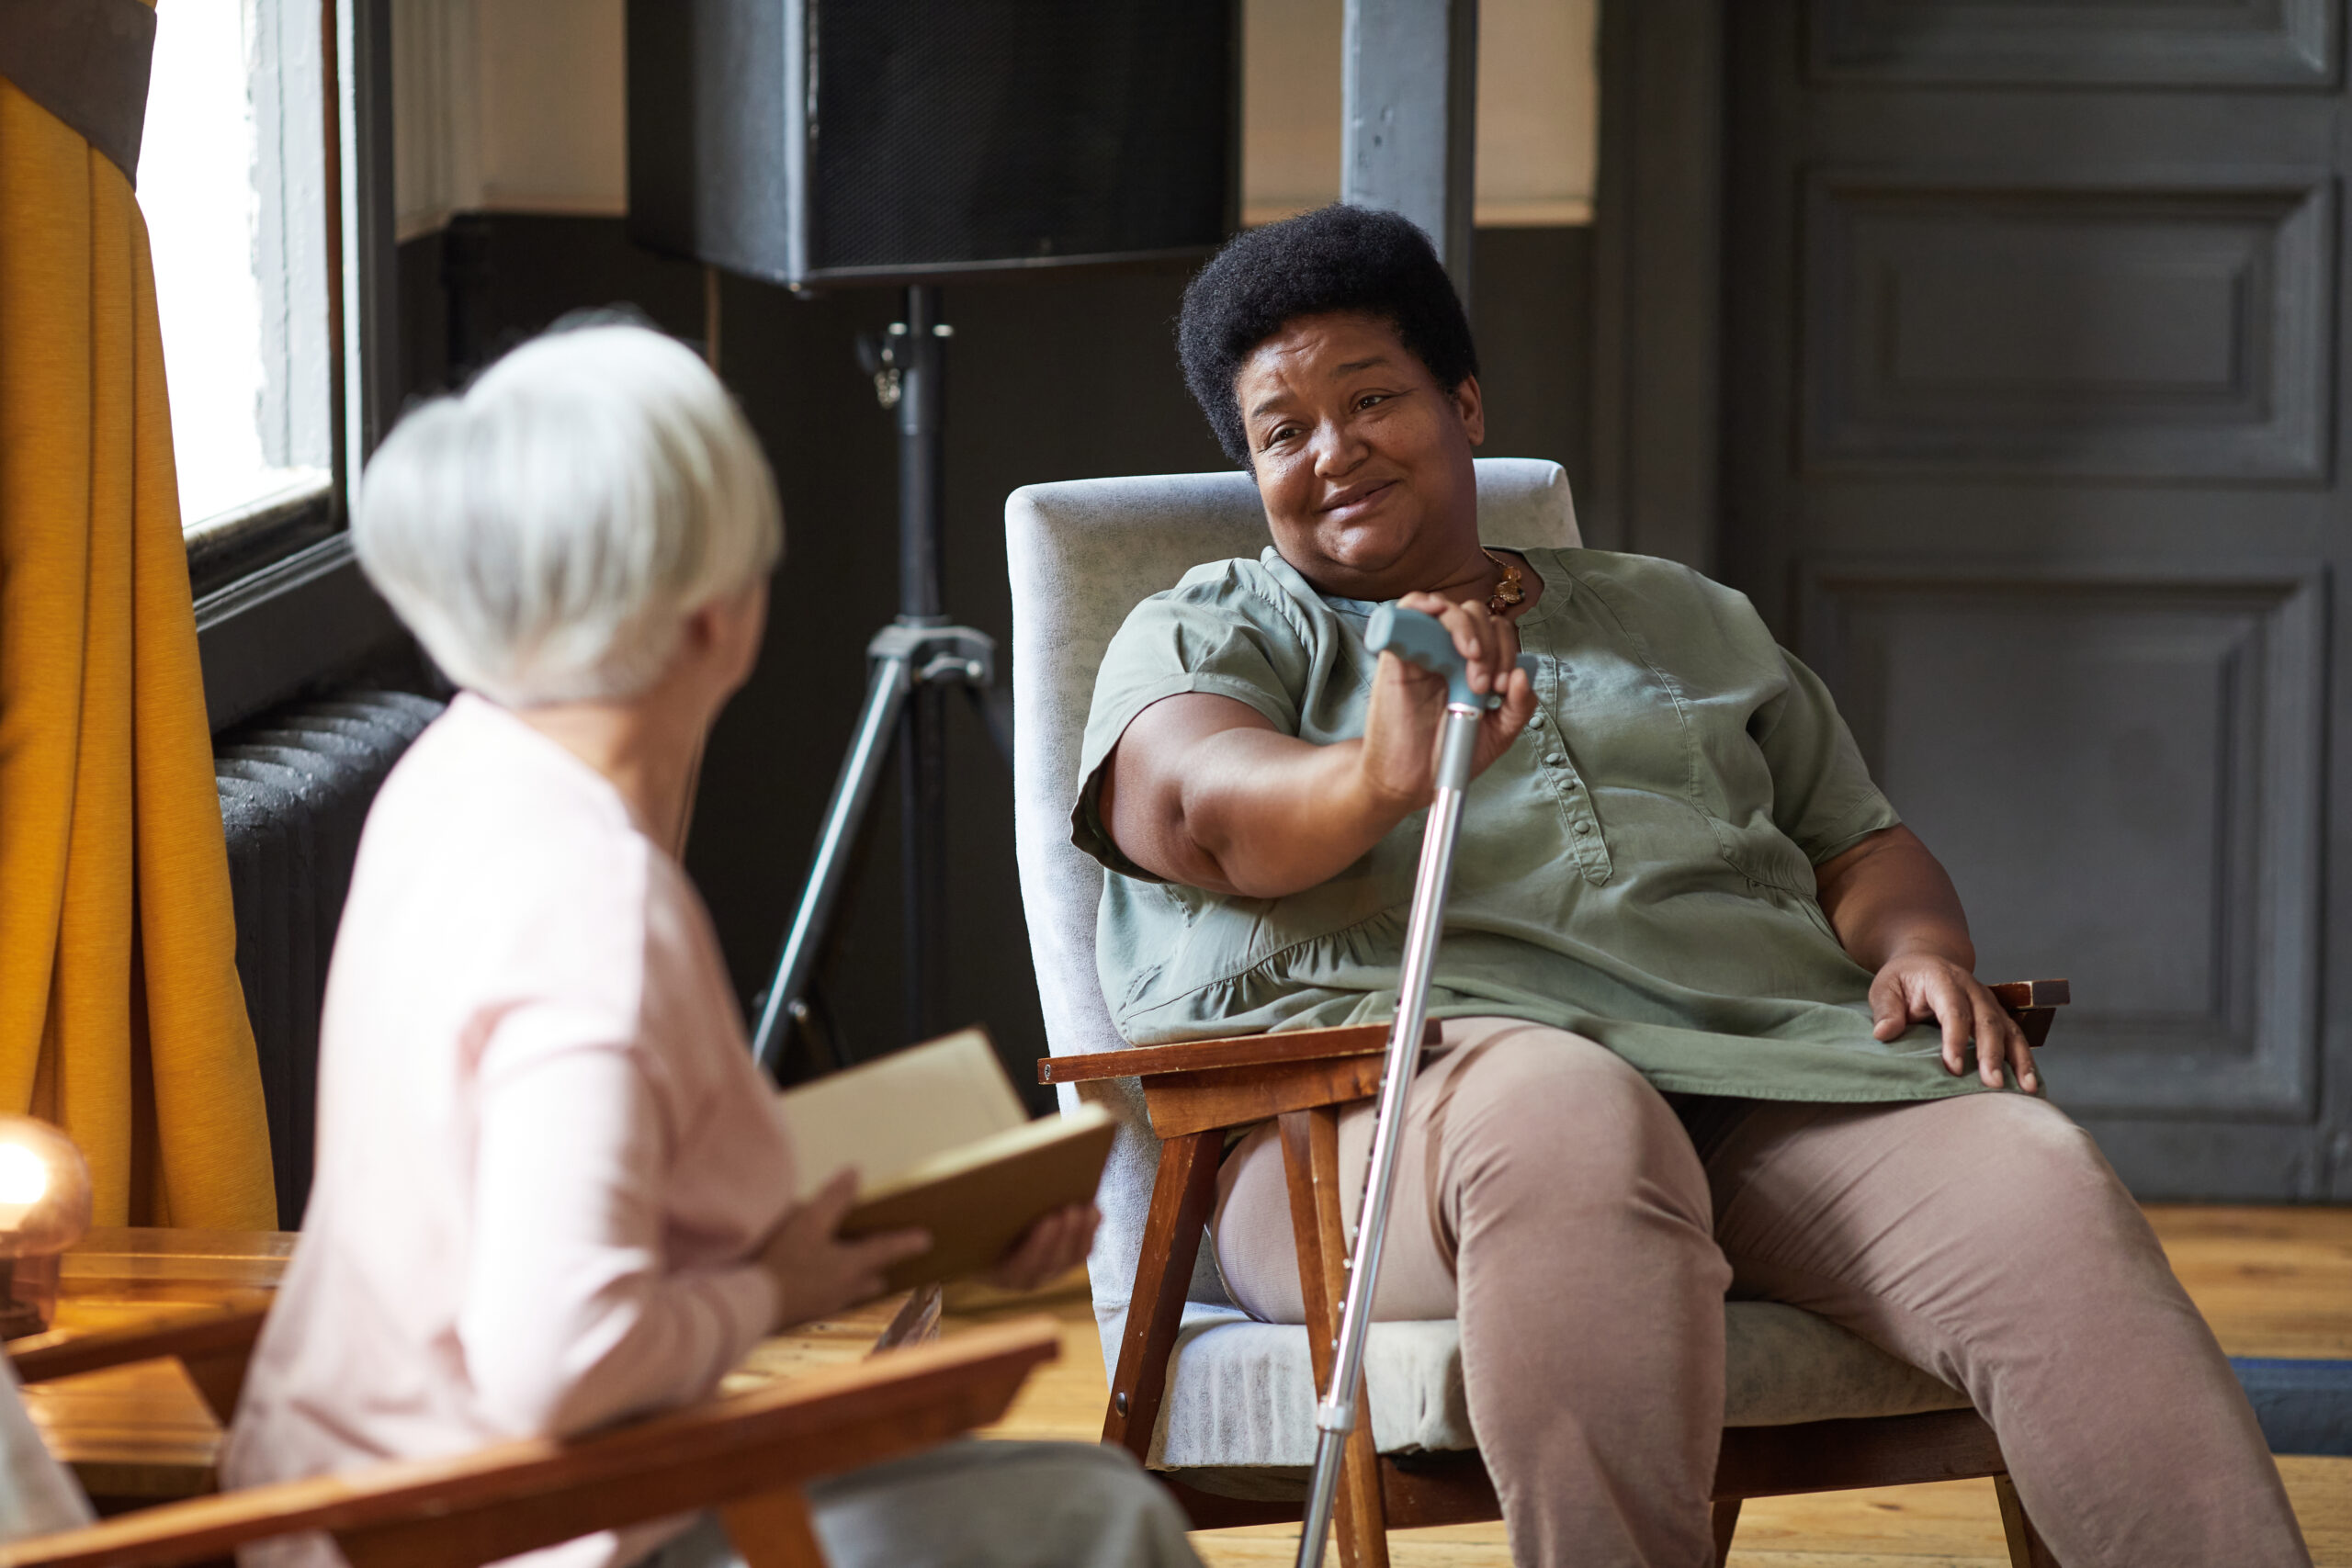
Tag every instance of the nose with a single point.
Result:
(1337, 449)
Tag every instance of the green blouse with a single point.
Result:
(1637, 868)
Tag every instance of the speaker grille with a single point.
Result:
(978, 131)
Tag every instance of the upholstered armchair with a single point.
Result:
(1221, 1407)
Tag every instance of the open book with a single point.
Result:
(939, 1140)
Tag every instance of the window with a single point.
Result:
(1538, 109)
(235, 181)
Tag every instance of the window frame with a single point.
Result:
(280, 603)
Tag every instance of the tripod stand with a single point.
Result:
(913, 663)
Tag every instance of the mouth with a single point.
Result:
(1356, 501)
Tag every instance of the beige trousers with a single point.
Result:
(1584, 1231)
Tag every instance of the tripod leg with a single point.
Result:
(886, 697)
(922, 795)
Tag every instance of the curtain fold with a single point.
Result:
(121, 1018)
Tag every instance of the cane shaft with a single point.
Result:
(1337, 1414)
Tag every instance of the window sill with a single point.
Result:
(228, 544)
(274, 631)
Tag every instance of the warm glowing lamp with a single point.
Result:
(44, 1209)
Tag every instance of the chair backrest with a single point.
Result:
(1082, 555)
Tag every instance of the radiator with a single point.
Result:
(295, 787)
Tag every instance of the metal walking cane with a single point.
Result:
(1422, 640)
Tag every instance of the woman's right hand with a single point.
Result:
(816, 1271)
(1407, 714)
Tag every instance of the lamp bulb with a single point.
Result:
(23, 1175)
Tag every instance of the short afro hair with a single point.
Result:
(1335, 258)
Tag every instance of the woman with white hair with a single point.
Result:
(552, 1190)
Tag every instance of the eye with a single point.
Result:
(1371, 400)
(1279, 435)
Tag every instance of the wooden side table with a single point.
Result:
(142, 1434)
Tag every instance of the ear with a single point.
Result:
(702, 631)
(1471, 404)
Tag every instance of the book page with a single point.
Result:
(888, 1116)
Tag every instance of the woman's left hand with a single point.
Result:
(1051, 1247)
(1923, 987)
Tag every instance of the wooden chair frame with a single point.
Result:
(747, 1456)
(1195, 1092)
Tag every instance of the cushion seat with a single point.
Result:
(1241, 1393)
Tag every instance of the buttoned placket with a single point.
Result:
(1553, 765)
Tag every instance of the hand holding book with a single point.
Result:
(940, 1142)
(816, 1271)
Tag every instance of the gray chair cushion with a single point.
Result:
(1242, 1394)
(1082, 555)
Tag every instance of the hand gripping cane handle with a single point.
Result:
(1423, 640)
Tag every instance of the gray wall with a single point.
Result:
(1069, 376)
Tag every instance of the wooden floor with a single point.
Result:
(2272, 1282)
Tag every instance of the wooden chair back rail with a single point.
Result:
(745, 1455)
(1196, 1091)
(215, 1348)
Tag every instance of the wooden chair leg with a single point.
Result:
(1726, 1520)
(774, 1530)
(1311, 1164)
(1181, 1195)
(2027, 1549)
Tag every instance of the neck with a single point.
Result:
(1474, 578)
(649, 750)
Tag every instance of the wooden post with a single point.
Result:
(774, 1530)
(2027, 1549)
(1182, 1195)
(1311, 1162)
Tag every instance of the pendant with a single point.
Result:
(1508, 594)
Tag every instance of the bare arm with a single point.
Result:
(1896, 912)
(1203, 791)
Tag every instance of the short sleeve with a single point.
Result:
(1823, 796)
(1215, 632)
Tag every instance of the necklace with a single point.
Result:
(1508, 594)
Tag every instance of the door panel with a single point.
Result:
(2151, 324)
(2030, 446)
(2122, 770)
(2011, 42)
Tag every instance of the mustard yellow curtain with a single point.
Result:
(121, 1018)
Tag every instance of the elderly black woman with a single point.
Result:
(1709, 1019)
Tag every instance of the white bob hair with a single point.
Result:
(547, 532)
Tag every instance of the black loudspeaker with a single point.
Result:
(806, 140)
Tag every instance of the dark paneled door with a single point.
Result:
(2032, 446)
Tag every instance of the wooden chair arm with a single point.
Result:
(1359, 1039)
(215, 1348)
(2018, 995)
(512, 1497)
(2034, 1004)
(1235, 1051)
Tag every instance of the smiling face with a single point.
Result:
(1362, 458)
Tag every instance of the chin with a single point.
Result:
(1370, 550)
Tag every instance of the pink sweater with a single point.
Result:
(544, 1151)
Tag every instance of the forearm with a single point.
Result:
(573, 1317)
(1267, 814)
(1889, 895)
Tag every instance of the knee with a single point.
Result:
(2043, 1203)
(2032, 1165)
(1555, 1119)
